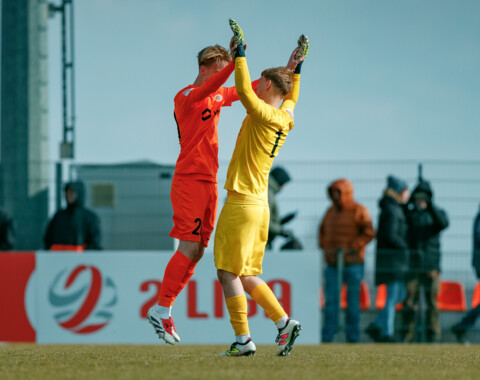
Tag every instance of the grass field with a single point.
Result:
(363, 361)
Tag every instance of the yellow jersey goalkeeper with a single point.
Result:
(242, 228)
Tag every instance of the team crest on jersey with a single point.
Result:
(290, 113)
(186, 92)
(218, 98)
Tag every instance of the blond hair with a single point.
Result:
(213, 54)
(281, 77)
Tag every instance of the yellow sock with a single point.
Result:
(237, 308)
(264, 296)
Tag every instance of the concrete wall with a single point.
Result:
(24, 124)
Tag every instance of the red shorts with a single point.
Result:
(194, 209)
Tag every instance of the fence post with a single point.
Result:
(58, 185)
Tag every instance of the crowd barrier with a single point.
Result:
(103, 297)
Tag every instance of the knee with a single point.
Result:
(224, 276)
(197, 254)
(192, 250)
(248, 283)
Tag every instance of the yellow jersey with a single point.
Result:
(263, 133)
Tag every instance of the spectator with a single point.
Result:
(425, 222)
(277, 179)
(460, 329)
(7, 231)
(391, 257)
(75, 228)
(346, 226)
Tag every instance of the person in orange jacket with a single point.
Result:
(346, 227)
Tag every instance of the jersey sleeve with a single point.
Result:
(290, 100)
(212, 84)
(252, 103)
(231, 95)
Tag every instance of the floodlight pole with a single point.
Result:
(68, 78)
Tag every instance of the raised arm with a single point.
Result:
(212, 84)
(291, 98)
(295, 64)
(243, 85)
(245, 92)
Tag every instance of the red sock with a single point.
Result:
(177, 274)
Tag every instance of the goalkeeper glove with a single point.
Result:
(238, 38)
(303, 44)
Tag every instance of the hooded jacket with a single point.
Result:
(392, 246)
(424, 227)
(476, 245)
(346, 225)
(76, 227)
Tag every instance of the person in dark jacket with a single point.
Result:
(7, 231)
(391, 256)
(277, 179)
(460, 329)
(425, 222)
(75, 228)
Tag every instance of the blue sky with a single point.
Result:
(383, 79)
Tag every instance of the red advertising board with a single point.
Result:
(15, 271)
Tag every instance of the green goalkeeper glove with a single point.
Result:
(303, 44)
(238, 38)
(237, 32)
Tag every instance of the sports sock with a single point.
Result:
(282, 322)
(164, 312)
(264, 296)
(237, 308)
(178, 272)
(242, 338)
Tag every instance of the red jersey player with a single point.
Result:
(194, 187)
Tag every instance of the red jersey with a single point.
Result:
(197, 111)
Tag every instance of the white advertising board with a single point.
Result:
(103, 298)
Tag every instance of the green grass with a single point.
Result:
(363, 361)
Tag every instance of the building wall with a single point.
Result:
(24, 124)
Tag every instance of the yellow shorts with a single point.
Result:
(241, 235)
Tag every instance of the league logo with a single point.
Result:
(84, 299)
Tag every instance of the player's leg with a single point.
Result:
(178, 272)
(189, 213)
(233, 238)
(236, 302)
(288, 329)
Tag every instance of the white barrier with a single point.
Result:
(103, 297)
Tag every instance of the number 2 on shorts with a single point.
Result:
(197, 229)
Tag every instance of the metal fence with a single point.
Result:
(456, 186)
